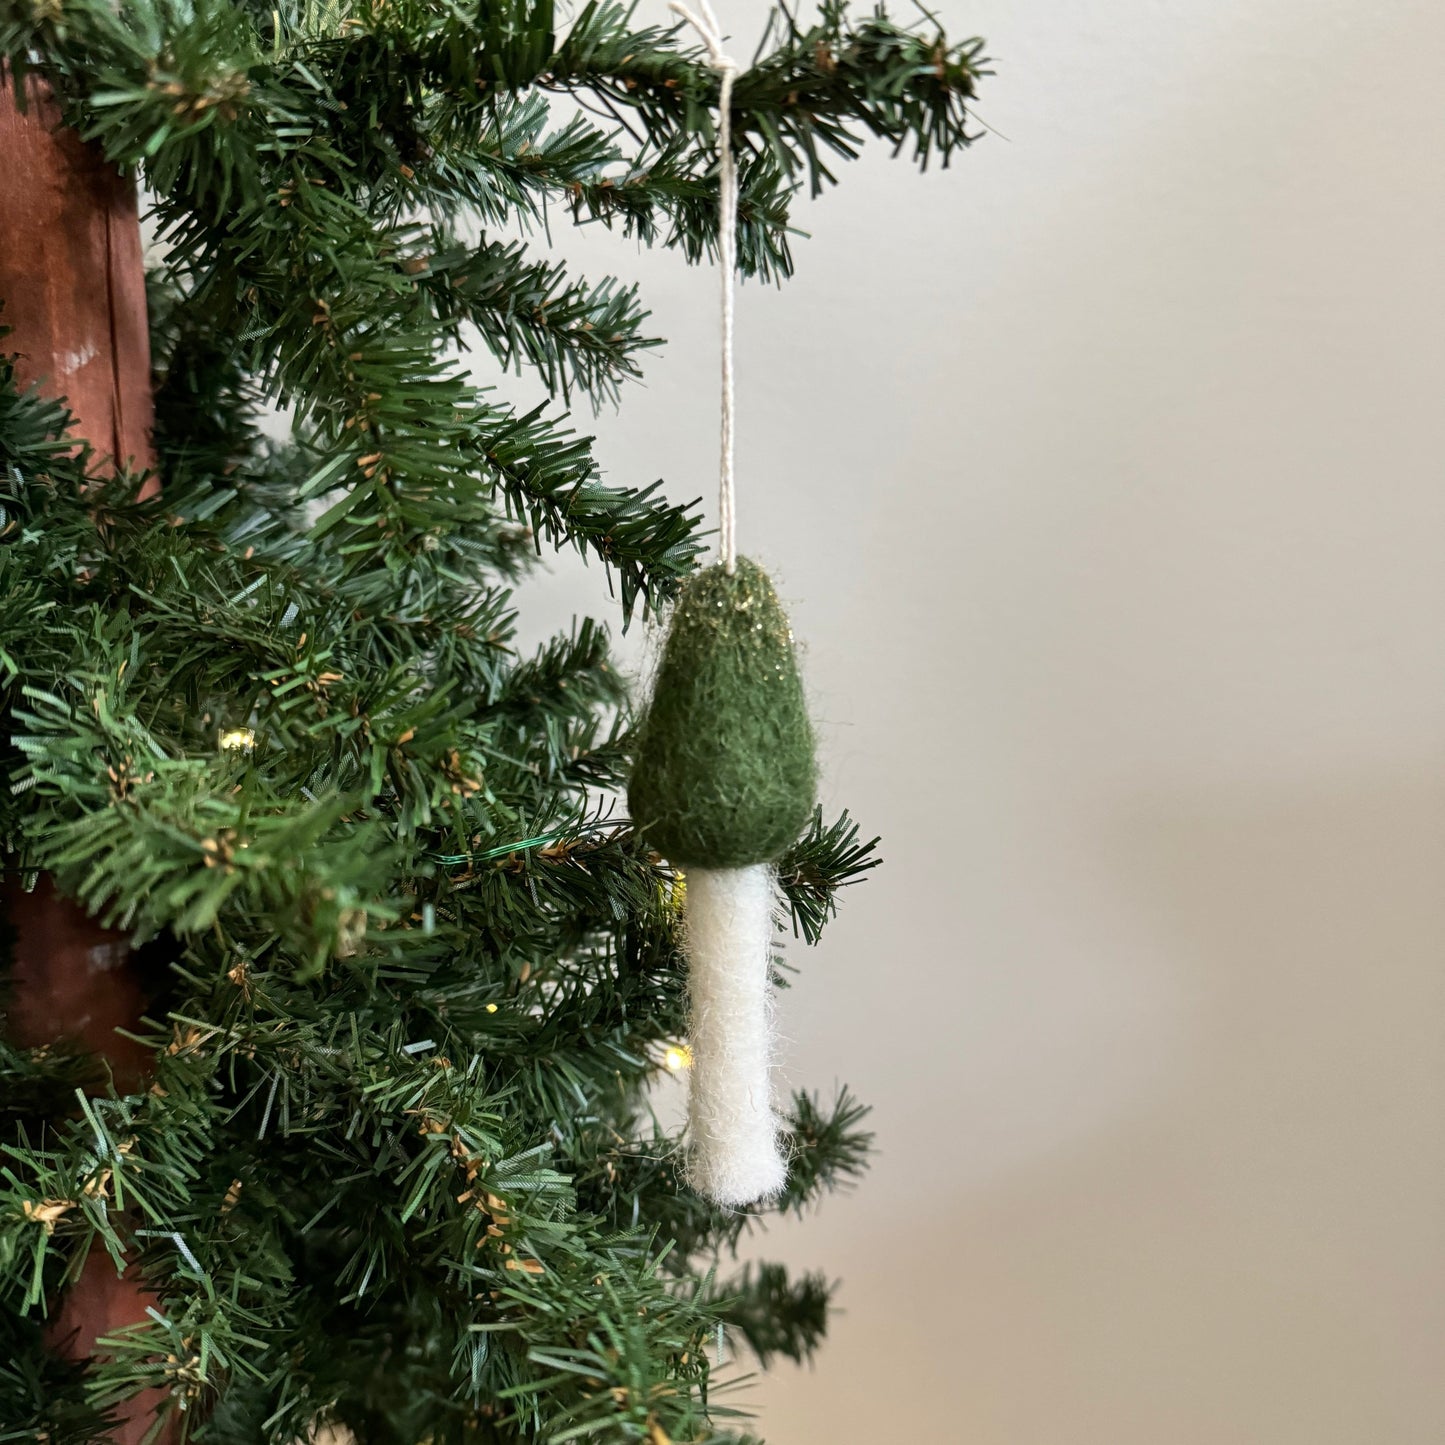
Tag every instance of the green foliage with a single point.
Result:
(43, 1396)
(778, 1315)
(396, 1168)
(828, 858)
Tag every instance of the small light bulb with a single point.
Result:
(238, 740)
(491, 1008)
(677, 1058)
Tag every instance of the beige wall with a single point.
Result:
(1104, 474)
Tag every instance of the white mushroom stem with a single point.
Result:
(735, 1157)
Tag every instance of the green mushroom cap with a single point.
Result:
(724, 773)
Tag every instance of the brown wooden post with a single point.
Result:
(73, 286)
(72, 277)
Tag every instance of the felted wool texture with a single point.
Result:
(724, 772)
(733, 1155)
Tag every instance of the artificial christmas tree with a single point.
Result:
(386, 1161)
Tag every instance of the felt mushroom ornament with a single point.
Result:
(723, 781)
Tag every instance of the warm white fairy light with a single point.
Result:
(238, 740)
(677, 1058)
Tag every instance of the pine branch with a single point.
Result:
(821, 862)
(802, 98)
(42, 1395)
(575, 335)
(776, 1314)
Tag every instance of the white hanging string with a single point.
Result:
(706, 25)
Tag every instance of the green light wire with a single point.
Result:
(539, 841)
